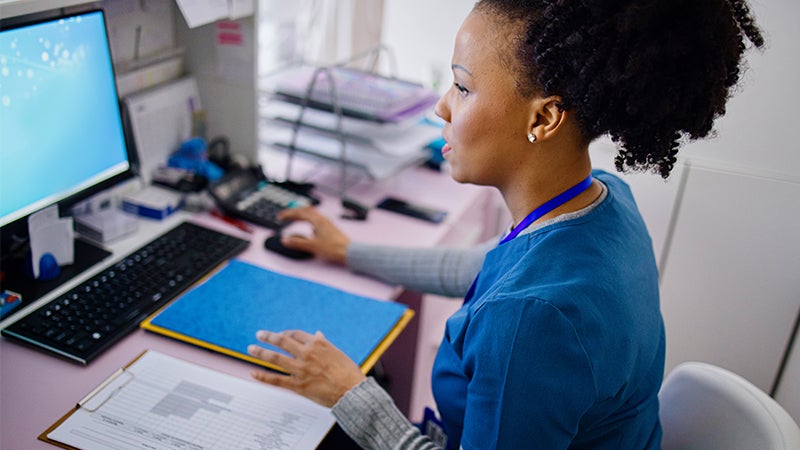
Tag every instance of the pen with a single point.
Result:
(235, 222)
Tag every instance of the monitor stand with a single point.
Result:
(16, 278)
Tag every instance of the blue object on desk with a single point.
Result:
(193, 156)
(48, 267)
(225, 312)
(8, 301)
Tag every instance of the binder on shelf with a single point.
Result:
(225, 312)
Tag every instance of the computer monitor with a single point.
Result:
(61, 130)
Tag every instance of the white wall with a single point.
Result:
(760, 127)
(758, 132)
(755, 132)
(422, 35)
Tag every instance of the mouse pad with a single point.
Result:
(225, 312)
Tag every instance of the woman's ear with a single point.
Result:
(547, 118)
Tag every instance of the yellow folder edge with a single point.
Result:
(381, 348)
(368, 363)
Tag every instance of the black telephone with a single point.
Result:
(248, 194)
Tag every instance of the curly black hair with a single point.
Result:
(649, 73)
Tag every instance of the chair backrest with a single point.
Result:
(707, 407)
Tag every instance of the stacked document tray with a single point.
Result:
(379, 124)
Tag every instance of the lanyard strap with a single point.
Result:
(548, 206)
(545, 208)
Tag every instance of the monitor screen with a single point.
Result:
(61, 133)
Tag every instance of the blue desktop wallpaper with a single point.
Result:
(60, 128)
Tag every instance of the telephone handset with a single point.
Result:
(247, 194)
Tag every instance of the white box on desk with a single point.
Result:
(153, 202)
(105, 225)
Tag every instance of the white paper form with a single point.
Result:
(161, 402)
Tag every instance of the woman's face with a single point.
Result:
(486, 118)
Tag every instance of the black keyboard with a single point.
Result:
(80, 324)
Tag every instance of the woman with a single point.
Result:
(560, 341)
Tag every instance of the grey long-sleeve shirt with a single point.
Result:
(441, 271)
(367, 413)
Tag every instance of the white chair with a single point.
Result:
(706, 407)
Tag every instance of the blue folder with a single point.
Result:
(224, 313)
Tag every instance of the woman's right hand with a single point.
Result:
(327, 242)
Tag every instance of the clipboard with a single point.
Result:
(121, 372)
(224, 312)
(161, 401)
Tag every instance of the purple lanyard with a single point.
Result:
(548, 206)
(537, 213)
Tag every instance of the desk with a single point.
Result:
(36, 388)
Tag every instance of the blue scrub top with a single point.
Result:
(562, 345)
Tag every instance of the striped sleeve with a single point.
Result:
(370, 417)
(441, 271)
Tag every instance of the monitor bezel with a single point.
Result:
(14, 234)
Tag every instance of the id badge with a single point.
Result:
(434, 428)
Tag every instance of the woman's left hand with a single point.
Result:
(316, 368)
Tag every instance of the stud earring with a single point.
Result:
(531, 138)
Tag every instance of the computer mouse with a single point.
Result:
(273, 243)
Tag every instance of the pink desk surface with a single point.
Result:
(36, 389)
